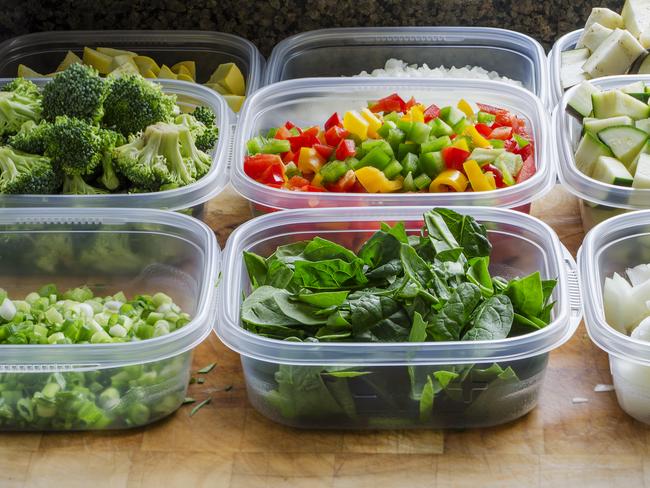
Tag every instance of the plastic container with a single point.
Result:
(564, 43)
(598, 201)
(522, 244)
(612, 247)
(311, 101)
(190, 197)
(137, 251)
(348, 51)
(44, 51)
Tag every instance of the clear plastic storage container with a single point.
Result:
(44, 51)
(110, 250)
(288, 381)
(612, 247)
(564, 43)
(348, 51)
(311, 101)
(598, 201)
(192, 196)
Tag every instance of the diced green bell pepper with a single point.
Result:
(419, 132)
(370, 144)
(408, 183)
(485, 118)
(440, 128)
(332, 171)
(422, 181)
(432, 163)
(377, 158)
(407, 148)
(435, 144)
(393, 169)
(410, 164)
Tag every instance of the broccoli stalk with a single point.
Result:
(205, 137)
(76, 185)
(19, 103)
(109, 177)
(22, 173)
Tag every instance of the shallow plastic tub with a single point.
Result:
(612, 247)
(138, 252)
(381, 398)
(311, 101)
(348, 51)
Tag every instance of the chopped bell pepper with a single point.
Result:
(374, 122)
(454, 157)
(355, 124)
(309, 161)
(490, 169)
(317, 180)
(477, 139)
(460, 143)
(415, 114)
(375, 181)
(334, 135)
(476, 177)
(324, 150)
(501, 133)
(297, 182)
(256, 165)
(333, 170)
(450, 178)
(344, 183)
(527, 170)
(465, 107)
(489, 109)
(307, 139)
(333, 121)
(483, 129)
(432, 112)
(282, 133)
(391, 103)
(346, 149)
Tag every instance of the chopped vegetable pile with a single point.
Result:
(626, 302)
(615, 146)
(397, 146)
(106, 398)
(85, 135)
(226, 79)
(435, 286)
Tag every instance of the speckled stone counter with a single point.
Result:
(267, 22)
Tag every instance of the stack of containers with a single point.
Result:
(146, 248)
(523, 244)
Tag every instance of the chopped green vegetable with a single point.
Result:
(207, 369)
(200, 406)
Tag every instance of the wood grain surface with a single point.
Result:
(227, 444)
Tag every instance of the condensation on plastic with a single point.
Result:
(311, 101)
(44, 51)
(599, 200)
(189, 95)
(348, 51)
(564, 43)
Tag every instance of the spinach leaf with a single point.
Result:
(319, 249)
(290, 252)
(414, 266)
(527, 294)
(492, 320)
(466, 231)
(419, 329)
(268, 306)
(279, 274)
(444, 243)
(376, 318)
(426, 400)
(479, 274)
(324, 299)
(450, 321)
(329, 274)
(388, 271)
(256, 267)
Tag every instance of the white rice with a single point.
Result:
(398, 68)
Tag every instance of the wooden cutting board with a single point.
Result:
(227, 444)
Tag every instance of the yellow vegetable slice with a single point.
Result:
(149, 74)
(218, 88)
(100, 61)
(112, 52)
(187, 67)
(375, 181)
(166, 73)
(374, 122)
(70, 58)
(125, 69)
(466, 108)
(145, 63)
(184, 77)
(27, 72)
(230, 77)
(123, 59)
(354, 123)
(235, 102)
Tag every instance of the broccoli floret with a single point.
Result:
(77, 92)
(133, 103)
(205, 115)
(19, 103)
(76, 185)
(109, 177)
(110, 253)
(205, 137)
(23, 173)
(51, 252)
(74, 146)
(31, 138)
(164, 154)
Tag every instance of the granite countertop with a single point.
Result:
(265, 23)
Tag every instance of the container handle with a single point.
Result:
(230, 150)
(575, 298)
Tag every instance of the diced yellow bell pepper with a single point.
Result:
(477, 139)
(490, 177)
(184, 77)
(122, 59)
(112, 52)
(414, 114)
(230, 77)
(149, 74)
(218, 88)
(317, 180)
(355, 124)
(235, 102)
(145, 63)
(100, 61)
(166, 73)
(374, 122)
(476, 177)
(309, 161)
(460, 143)
(450, 178)
(129, 68)
(27, 72)
(187, 67)
(70, 59)
(466, 108)
(375, 181)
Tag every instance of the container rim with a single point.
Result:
(403, 35)
(602, 334)
(250, 50)
(517, 195)
(120, 354)
(573, 179)
(568, 309)
(182, 198)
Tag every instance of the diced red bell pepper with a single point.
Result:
(432, 112)
(483, 129)
(324, 150)
(309, 188)
(288, 157)
(298, 182)
(527, 170)
(274, 185)
(274, 174)
(498, 176)
(526, 152)
(391, 103)
(409, 104)
(501, 133)
(283, 133)
(489, 109)
(512, 146)
(255, 166)
(308, 138)
(344, 184)
(334, 135)
(454, 157)
(333, 121)
(346, 149)
(519, 126)
(502, 119)
(290, 125)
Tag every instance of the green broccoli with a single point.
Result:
(205, 137)
(31, 138)
(165, 154)
(52, 252)
(23, 173)
(133, 103)
(76, 185)
(74, 146)
(109, 178)
(77, 92)
(110, 253)
(19, 103)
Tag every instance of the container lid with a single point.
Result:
(312, 100)
(564, 43)
(568, 132)
(47, 357)
(177, 199)
(567, 312)
(614, 230)
(434, 36)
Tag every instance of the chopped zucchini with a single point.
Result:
(580, 100)
(589, 150)
(571, 72)
(596, 125)
(614, 56)
(613, 103)
(643, 124)
(483, 156)
(625, 142)
(636, 87)
(611, 171)
(606, 17)
(636, 16)
(593, 36)
(642, 175)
